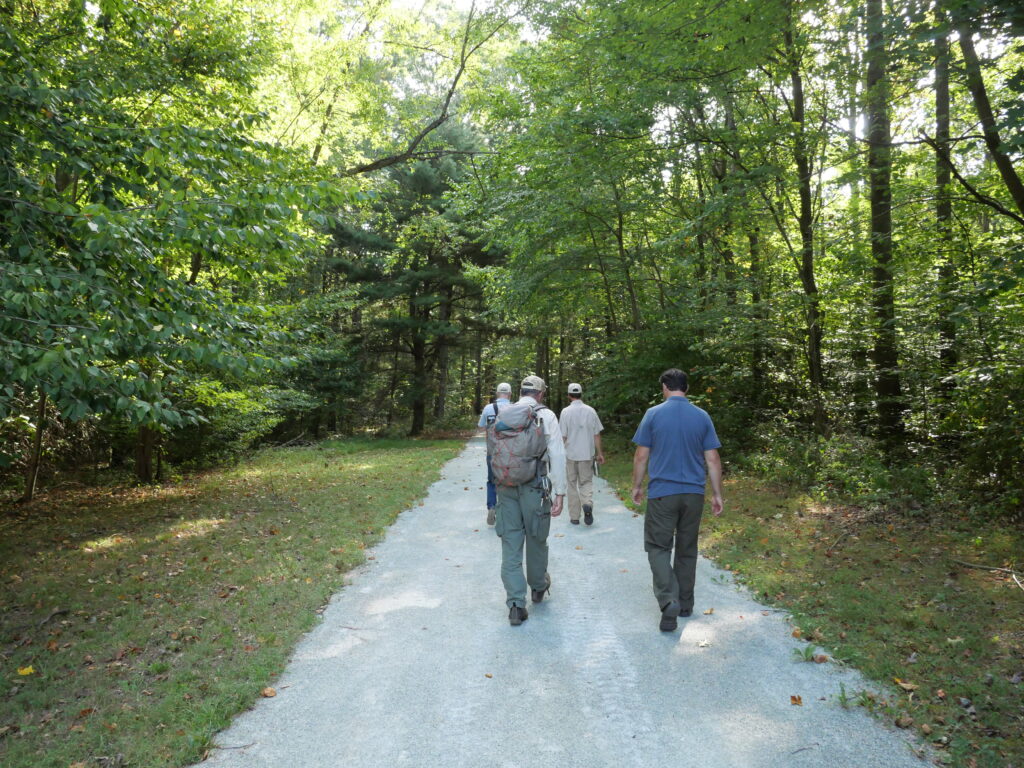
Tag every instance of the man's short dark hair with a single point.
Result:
(675, 380)
(529, 392)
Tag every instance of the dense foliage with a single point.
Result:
(225, 225)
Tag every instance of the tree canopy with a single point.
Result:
(228, 224)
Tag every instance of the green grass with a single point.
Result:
(884, 594)
(148, 617)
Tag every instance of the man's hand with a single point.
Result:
(716, 505)
(556, 505)
(600, 458)
(638, 494)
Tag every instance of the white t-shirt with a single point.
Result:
(579, 424)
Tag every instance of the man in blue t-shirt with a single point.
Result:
(487, 417)
(674, 441)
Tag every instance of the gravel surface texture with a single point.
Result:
(415, 663)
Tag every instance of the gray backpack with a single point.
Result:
(516, 445)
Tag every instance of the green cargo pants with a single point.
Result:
(522, 518)
(673, 520)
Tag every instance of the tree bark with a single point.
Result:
(35, 459)
(805, 218)
(948, 357)
(888, 391)
(145, 442)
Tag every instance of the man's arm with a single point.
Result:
(714, 462)
(640, 458)
(597, 445)
(556, 460)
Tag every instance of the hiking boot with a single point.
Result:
(517, 615)
(669, 612)
(588, 514)
(685, 613)
(575, 522)
(490, 515)
(538, 594)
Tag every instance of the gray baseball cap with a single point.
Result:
(534, 382)
(504, 388)
(575, 389)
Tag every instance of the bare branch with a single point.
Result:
(466, 51)
(984, 199)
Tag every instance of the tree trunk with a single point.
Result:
(36, 457)
(888, 392)
(443, 356)
(478, 386)
(419, 384)
(812, 307)
(757, 356)
(944, 218)
(979, 95)
(145, 442)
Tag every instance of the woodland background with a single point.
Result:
(227, 224)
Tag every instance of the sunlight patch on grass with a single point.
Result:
(107, 542)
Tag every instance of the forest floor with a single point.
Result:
(137, 622)
(927, 606)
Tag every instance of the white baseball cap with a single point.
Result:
(575, 389)
(504, 388)
(535, 383)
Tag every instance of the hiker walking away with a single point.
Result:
(581, 430)
(674, 442)
(487, 416)
(528, 465)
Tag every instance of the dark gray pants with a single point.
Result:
(672, 523)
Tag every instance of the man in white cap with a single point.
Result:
(487, 416)
(531, 487)
(581, 430)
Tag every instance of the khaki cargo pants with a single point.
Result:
(581, 485)
(522, 520)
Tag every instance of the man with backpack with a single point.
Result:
(487, 417)
(678, 441)
(527, 458)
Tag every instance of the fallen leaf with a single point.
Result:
(905, 685)
(268, 693)
(820, 658)
(623, 570)
(926, 729)
(904, 721)
(940, 693)
(796, 701)
(86, 712)
(709, 611)
(29, 670)
(578, 547)
(705, 643)
(797, 632)
(488, 675)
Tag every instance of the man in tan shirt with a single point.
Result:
(581, 430)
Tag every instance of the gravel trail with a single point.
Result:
(415, 664)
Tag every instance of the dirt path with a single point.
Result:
(415, 663)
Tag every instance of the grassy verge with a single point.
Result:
(885, 594)
(136, 622)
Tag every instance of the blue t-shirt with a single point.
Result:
(489, 410)
(678, 433)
